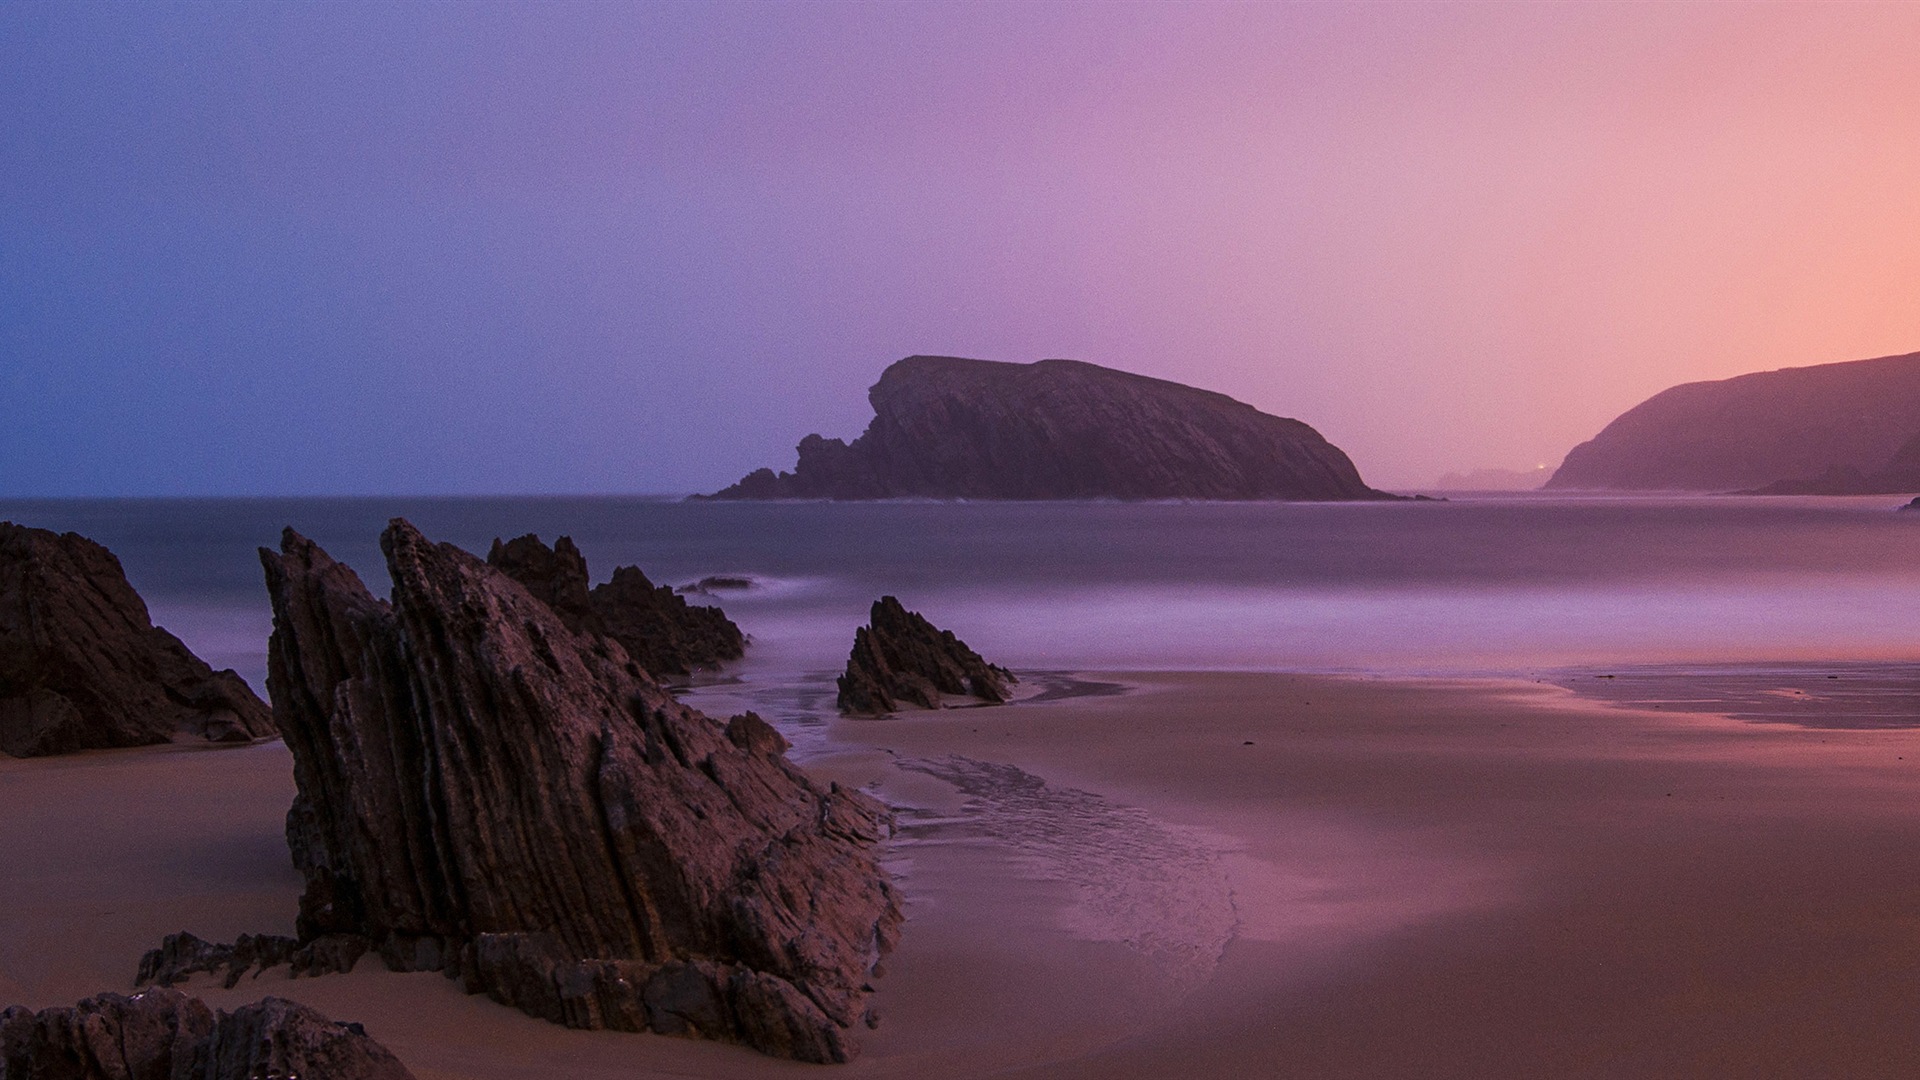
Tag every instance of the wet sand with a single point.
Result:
(1418, 879)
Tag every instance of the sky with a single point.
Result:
(425, 248)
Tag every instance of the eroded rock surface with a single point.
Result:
(486, 792)
(901, 657)
(182, 955)
(165, 1035)
(946, 427)
(82, 666)
(661, 632)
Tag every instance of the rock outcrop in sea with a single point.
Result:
(661, 632)
(951, 428)
(900, 657)
(485, 792)
(163, 1034)
(82, 667)
(1831, 429)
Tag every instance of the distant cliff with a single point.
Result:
(949, 428)
(1828, 429)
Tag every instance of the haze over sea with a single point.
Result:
(1529, 585)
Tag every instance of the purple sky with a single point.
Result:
(423, 248)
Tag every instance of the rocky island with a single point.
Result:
(951, 428)
(485, 792)
(82, 667)
(1831, 429)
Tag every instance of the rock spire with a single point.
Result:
(900, 657)
(484, 791)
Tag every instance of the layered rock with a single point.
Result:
(660, 631)
(83, 667)
(952, 428)
(486, 792)
(900, 657)
(1846, 428)
(166, 1035)
(182, 956)
(556, 575)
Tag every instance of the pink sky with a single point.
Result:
(648, 247)
(1470, 236)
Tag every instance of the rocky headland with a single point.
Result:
(165, 1035)
(1900, 474)
(951, 428)
(82, 667)
(661, 632)
(485, 792)
(1831, 429)
(901, 658)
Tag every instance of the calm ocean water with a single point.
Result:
(1529, 585)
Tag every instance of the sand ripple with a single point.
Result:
(1159, 889)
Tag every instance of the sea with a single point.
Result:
(1793, 610)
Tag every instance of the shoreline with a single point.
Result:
(1419, 877)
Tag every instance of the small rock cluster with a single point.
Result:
(901, 657)
(165, 1035)
(183, 955)
(661, 632)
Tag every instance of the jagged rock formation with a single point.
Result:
(1848, 428)
(182, 955)
(485, 792)
(901, 657)
(83, 667)
(556, 575)
(950, 428)
(661, 632)
(166, 1035)
(658, 628)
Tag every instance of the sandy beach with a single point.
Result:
(1218, 874)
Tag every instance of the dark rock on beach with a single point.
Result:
(182, 955)
(900, 657)
(660, 631)
(556, 575)
(165, 1035)
(485, 792)
(951, 428)
(82, 666)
